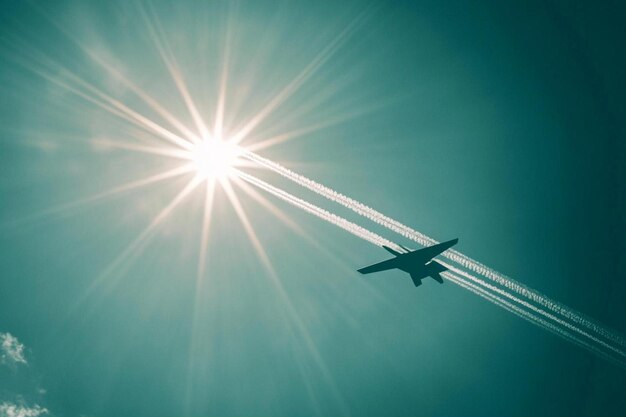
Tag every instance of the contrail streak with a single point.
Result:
(533, 308)
(529, 317)
(317, 211)
(425, 240)
(488, 291)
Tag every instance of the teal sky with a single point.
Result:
(501, 123)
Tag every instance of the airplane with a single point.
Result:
(418, 263)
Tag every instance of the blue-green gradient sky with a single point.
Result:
(501, 123)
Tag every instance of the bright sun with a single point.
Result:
(215, 158)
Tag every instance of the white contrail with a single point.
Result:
(317, 211)
(529, 311)
(425, 240)
(533, 308)
(529, 317)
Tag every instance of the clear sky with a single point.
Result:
(500, 123)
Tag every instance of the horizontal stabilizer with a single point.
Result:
(391, 251)
(417, 280)
(437, 277)
(434, 268)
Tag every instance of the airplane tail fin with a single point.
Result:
(437, 277)
(434, 269)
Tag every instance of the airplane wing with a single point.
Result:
(428, 253)
(380, 266)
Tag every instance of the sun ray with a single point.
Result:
(206, 221)
(318, 61)
(300, 327)
(134, 247)
(154, 150)
(136, 116)
(149, 100)
(256, 196)
(160, 41)
(200, 281)
(223, 84)
(262, 144)
(152, 179)
(97, 97)
(47, 74)
(339, 262)
(243, 218)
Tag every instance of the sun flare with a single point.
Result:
(215, 158)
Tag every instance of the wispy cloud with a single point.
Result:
(13, 404)
(12, 351)
(8, 409)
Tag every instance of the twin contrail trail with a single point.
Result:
(526, 315)
(350, 227)
(542, 309)
(497, 295)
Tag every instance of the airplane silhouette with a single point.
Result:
(417, 263)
